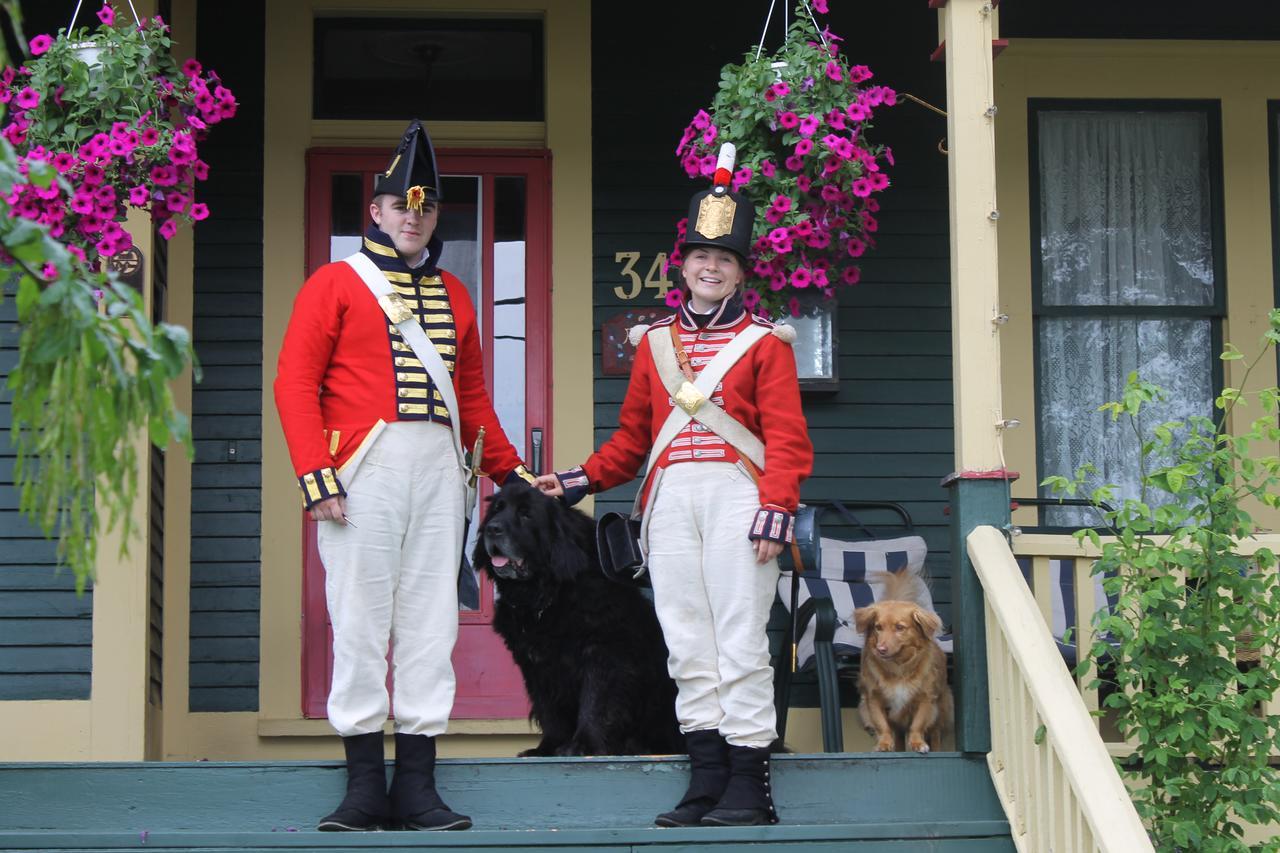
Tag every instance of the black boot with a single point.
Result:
(365, 805)
(414, 800)
(748, 798)
(709, 761)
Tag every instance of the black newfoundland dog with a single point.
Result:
(590, 650)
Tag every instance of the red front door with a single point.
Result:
(494, 223)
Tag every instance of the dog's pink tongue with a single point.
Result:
(498, 560)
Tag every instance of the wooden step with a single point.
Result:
(847, 802)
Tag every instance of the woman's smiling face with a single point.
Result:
(711, 274)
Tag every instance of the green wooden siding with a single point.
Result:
(226, 486)
(886, 434)
(46, 630)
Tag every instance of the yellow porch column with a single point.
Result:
(979, 484)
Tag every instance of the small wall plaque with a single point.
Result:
(616, 351)
(128, 265)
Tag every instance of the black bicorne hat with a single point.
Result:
(412, 173)
(718, 217)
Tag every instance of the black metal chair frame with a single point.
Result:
(824, 612)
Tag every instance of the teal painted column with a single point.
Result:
(976, 499)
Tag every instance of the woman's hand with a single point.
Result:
(549, 484)
(767, 550)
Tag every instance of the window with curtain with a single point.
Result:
(1126, 277)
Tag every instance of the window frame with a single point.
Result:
(1215, 312)
(1273, 169)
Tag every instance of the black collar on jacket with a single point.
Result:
(723, 316)
(394, 261)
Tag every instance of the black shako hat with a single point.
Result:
(412, 173)
(718, 217)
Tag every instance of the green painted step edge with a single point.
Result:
(487, 838)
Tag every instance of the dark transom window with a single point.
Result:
(433, 69)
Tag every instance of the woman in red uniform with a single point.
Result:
(713, 394)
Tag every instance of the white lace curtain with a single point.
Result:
(1126, 220)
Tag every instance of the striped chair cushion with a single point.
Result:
(1062, 588)
(843, 579)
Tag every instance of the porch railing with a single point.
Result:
(1042, 550)
(1051, 769)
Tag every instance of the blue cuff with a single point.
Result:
(575, 484)
(520, 474)
(775, 525)
(320, 485)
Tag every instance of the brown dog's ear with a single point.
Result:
(928, 622)
(864, 618)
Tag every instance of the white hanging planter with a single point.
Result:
(88, 52)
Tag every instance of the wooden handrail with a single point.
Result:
(1054, 775)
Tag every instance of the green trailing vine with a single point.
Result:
(1187, 654)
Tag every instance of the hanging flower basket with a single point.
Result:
(104, 119)
(800, 119)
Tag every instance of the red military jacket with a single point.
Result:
(760, 391)
(337, 375)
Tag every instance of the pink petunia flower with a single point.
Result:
(888, 155)
(27, 98)
(674, 297)
(741, 178)
(62, 161)
(777, 281)
(750, 299)
(809, 124)
(782, 203)
(793, 305)
(773, 216)
(851, 275)
(803, 147)
(856, 111)
(138, 196)
(192, 68)
(701, 120)
(856, 247)
(199, 211)
(49, 272)
(803, 228)
(818, 240)
(768, 169)
(164, 176)
(168, 228)
(794, 163)
(833, 71)
(788, 119)
(107, 15)
(861, 187)
(800, 277)
(803, 183)
(40, 44)
(820, 6)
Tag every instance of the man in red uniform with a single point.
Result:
(379, 387)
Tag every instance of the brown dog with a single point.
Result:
(903, 680)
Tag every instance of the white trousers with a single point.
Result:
(391, 577)
(713, 600)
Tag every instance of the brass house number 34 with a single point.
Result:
(655, 278)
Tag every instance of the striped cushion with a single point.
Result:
(1062, 585)
(843, 579)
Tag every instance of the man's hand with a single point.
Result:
(330, 509)
(549, 484)
(766, 550)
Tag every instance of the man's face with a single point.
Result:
(408, 230)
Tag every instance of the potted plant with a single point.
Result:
(800, 119)
(1187, 651)
(111, 115)
(92, 122)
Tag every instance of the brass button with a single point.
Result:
(404, 407)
